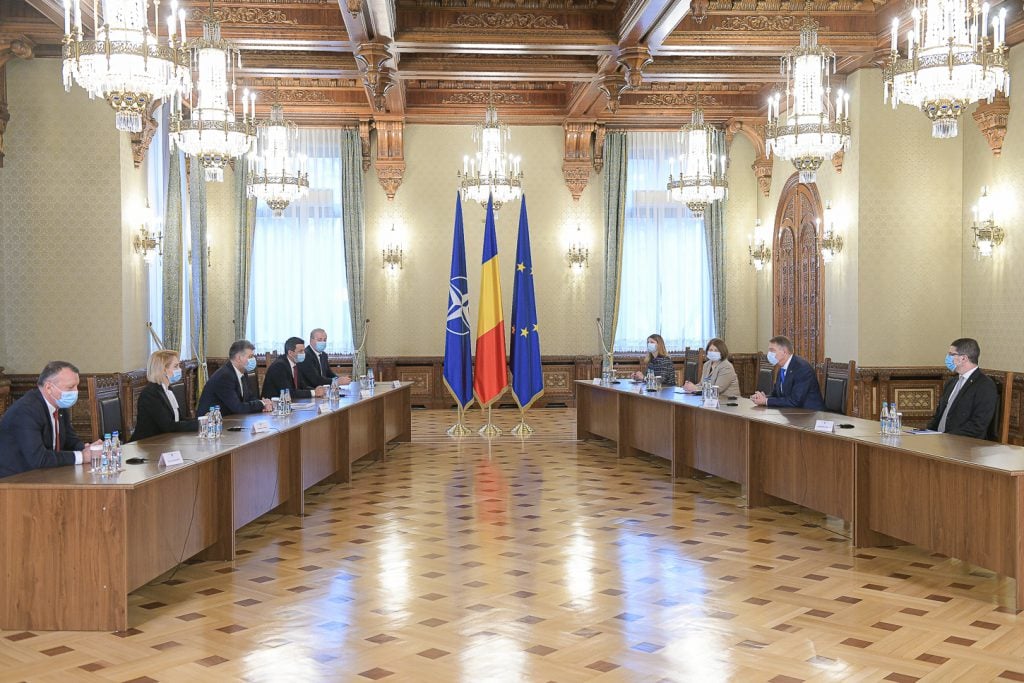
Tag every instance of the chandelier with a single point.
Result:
(124, 63)
(831, 241)
(277, 175)
(492, 172)
(701, 173)
(986, 233)
(950, 61)
(211, 134)
(757, 247)
(812, 129)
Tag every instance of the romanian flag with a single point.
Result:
(524, 347)
(458, 352)
(490, 374)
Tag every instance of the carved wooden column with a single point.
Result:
(577, 160)
(10, 47)
(390, 152)
(992, 119)
(365, 126)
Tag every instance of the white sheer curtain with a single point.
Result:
(665, 286)
(298, 260)
(186, 262)
(157, 160)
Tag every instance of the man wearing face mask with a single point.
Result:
(229, 387)
(283, 373)
(315, 370)
(969, 399)
(36, 430)
(796, 385)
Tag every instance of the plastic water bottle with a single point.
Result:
(115, 452)
(883, 418)
(286, 401)
(369, 378)
(218, 422)
(333, 394)
(105, 458)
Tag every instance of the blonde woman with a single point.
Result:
(718, 370)
(158, 411)
(658, 361)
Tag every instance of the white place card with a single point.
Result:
(597, 380)
(711, 403)
(824, 426)
(397, 384)
(261, 427)
(324, 408)
(171, 458)
(365, 393)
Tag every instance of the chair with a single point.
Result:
(692, 364)
(181, 396)
(765, 374)
(999, 430)
(838, 389)
(106, 411)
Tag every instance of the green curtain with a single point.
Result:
(614, 227)
(353, 224)
(172, 255)
(197, 285)
(245, 232)
(714, 235)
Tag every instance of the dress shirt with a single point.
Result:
(240, 376)
(50, 410)
(173, 400)
(952, 397)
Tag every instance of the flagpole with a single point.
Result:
(522, 429)
(490, 429)
(459, 429)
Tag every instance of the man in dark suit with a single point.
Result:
(315, 370)
(796, 385)
(970, 399)
(283, 373)
(36, 430)
(229, 387)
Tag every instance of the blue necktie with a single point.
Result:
(782, 377)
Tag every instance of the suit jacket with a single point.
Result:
(315, 369)
(800, 390)
(26, 436)
(723, 376)
(223, 389)
(155, 415)
(974, 409)
(279, 376)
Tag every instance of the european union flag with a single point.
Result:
(458, 349)
(527, 377)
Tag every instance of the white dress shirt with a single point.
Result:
(172, 399)
(50, 408)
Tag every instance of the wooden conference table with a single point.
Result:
(953, 495)
(73, 544)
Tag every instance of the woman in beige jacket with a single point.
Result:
(718, 370)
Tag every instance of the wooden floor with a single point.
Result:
(544, 559)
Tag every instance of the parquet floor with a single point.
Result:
(545, 559)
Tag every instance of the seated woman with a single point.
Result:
(658, 361)
(718, 369)
(158, 411)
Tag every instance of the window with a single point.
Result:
(665, 284)
(298, 260)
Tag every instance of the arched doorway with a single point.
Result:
(798, 279)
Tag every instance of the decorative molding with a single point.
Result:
(992, 119)
(634, 60)
(377, 78)
(483, 97)
(10, 47)
(612, 85)
(699, 10)
(243, 15)
(141, 140)
(753, 130)
(576, 175)
(599, 136)
(514, 4)
(354, 7)
(837, 161)
(763, 172)
(303, 96)
(365, 126)
(513, 20)
(677, 100)
(390, 175)
(778, 23)
(390, 153)
(577, 157)
(798, 6)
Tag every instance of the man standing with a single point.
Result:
(315, 370)
(229, 386)
(969, 400)
(796, 386)
(283, 373)
(36, 431)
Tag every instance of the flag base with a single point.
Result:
(459, 429)
(522, 429)
(490, 429)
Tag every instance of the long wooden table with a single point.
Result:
(954, 495)
(73, 544)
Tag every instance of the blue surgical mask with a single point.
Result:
(67, 399)
(950, 363)
(714, 356)
(652, 347)
(772, 358)
(250, 364)
(320, 346)
(176, 377)
(299, 357)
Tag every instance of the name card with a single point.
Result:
(711, 403)
(171, 458)
(323, 408)
(824, 426)
(365, 393)
(597, 380)
(261, 427)
(397, 384)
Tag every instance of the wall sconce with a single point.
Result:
(578, 254)
(757, 247)
(831, 241)
(391, 256)
(987, 234)
(146, 242)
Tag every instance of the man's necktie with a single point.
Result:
(56, 430)
(949, 403)
(782, 377)
(295, 375)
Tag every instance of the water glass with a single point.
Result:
(364, 383)
(204, 427)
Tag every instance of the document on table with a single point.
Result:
(921, 431)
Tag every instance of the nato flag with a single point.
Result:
(527, 378)
(458, 349)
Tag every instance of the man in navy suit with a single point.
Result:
(284, 373)
(796, 385)
(315, 370)
(229, 386)
(970, 399)
(36, 431)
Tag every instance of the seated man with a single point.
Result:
(315, 370)
(283, 373)
(36, 430)
(229, 386)
(796, 385)
(969, 400)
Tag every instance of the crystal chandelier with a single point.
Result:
(492, 172)
(211, 134)
(951, 61)
(124, 63)
(701, 173)
(812, 129)
(277, 174)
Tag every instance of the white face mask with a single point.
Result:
(714, 356)
(652, 347)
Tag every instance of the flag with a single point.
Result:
(490, 375)
(524, 347)
(458, 352)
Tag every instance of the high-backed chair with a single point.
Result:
(838, 388)
(106, 410)
(765, 374)
(181, 396)
(999, 430)
(694, 360)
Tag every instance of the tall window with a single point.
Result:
(298, 260)
(665, 285)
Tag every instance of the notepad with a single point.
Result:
(921, 431)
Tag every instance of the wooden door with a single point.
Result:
(798, 279)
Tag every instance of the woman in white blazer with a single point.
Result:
(718, 370)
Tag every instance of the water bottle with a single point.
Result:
(286, 401)
(218, 422)
(883, 418)
(369, 378)
(898, 424)
(105, 458)
(115, 452)
(332, 395)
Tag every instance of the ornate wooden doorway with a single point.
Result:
(798, 279)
